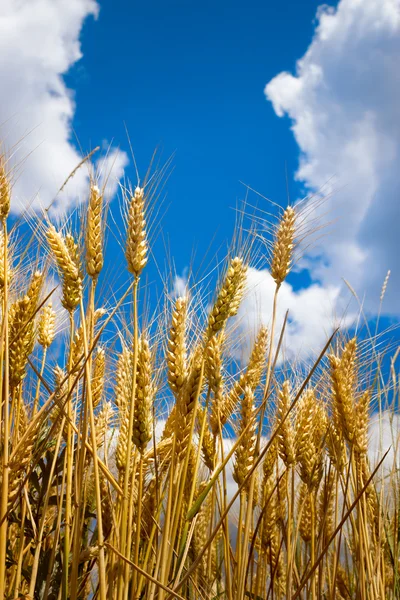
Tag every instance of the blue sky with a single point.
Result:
(188, 78)
(274, 94)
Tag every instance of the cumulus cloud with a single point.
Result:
(40, 40)
(313, 314)
(384, 435)
(180, 285)
(111, 169)
(343, 105)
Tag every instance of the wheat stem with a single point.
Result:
(124, 569)
(4, 365)
(69, 474)
(102, 570)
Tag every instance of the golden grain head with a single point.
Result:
(94, 233)
(286, 434)
(136, 240)
(71, 294)
(143, 421)
(343, 378)
(65, 262)
(121, 453)
(123, 378)
(176, 352)
(244, 456)
(213, 363)
(282, 252)
(46, 328)
(229, 297)
(99, 367)
(3, 271)
(22, 329)
(5, 190)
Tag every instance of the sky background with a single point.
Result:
(290, 98)
(188, 78)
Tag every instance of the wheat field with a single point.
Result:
(147, 463)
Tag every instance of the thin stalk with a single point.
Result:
(149, 548)
(100, 537)
(249, 514)
(134, 593)
(80, 462)
(239, 530)
(123, 571)
(290, 495)
(269, 367)
(69, 456)
(43, 519)
(313, 526)
(182, 481)
(57, 530)
(165, 541)
(336, 544)
(226, 536)
(36, 401)
(130, 522)
(21, 552)
(6, 424)
(194, 482)
(213, 507)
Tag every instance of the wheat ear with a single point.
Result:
(136, 241)
(123, 379)
(176, 353)
(282, 253)
(46, 328)
(99, 367)
(143, 419)
(22, 330)
(286, 436)
(94, 233)
(5, 194)
(343, 377)
(229, 296)
(3, 252)
(246, 448)
(65, 262)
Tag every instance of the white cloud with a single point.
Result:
(180, 285)
(39, 42)
(343, 104)
(111, 169)
(384, 435)
(312, 315)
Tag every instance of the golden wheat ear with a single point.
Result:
(229, 296)
(246, 449)
(136, 241)
(61, 253)
(286, 435)
(46, 329)
(66, 254)
(282, 252)
(94, 233)
(143, 418)
(4, 257)
(176, 353)
(5, 192)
